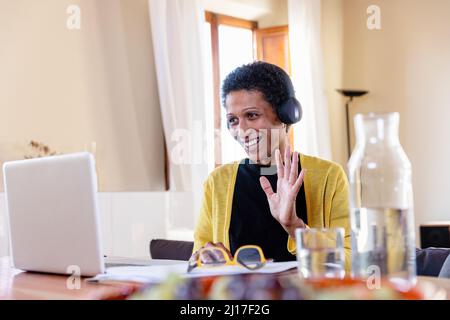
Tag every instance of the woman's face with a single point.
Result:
(254, 124)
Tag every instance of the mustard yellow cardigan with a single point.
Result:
(326, 192)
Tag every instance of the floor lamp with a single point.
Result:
(350, 94)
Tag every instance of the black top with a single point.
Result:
(251, 220)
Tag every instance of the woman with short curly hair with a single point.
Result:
(262, 199)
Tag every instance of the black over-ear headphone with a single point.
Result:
(290, 111)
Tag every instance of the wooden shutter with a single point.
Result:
(272, 45)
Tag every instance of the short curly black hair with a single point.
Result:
(264, 77)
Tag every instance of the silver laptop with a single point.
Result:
(53, 214)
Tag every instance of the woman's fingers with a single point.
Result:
(298, 183)
(287, 162)
(280, 167)
(211, 255)
(214, 255)
(220, 245)
(265, 185)
(207, 256)
(194, 256)
(294, 168)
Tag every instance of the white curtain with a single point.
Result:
(312, 134)
(177, 32)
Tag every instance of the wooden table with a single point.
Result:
(17, 285)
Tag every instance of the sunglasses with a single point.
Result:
(249, 256)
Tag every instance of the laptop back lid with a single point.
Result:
(53, 214)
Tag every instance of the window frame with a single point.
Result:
(215, 20)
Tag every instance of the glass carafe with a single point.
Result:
(381, 202)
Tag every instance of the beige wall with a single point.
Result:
(278, 15)
(268, 13)
(69, 88)
(333, 55)
(406, 67)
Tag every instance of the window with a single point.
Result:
(230, 41)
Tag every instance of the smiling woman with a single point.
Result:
(262, 199)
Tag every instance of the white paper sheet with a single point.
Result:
(158, 273)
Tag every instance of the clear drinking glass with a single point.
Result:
(320, 253)
(381, 202)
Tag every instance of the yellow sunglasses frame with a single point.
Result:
(233, 262)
